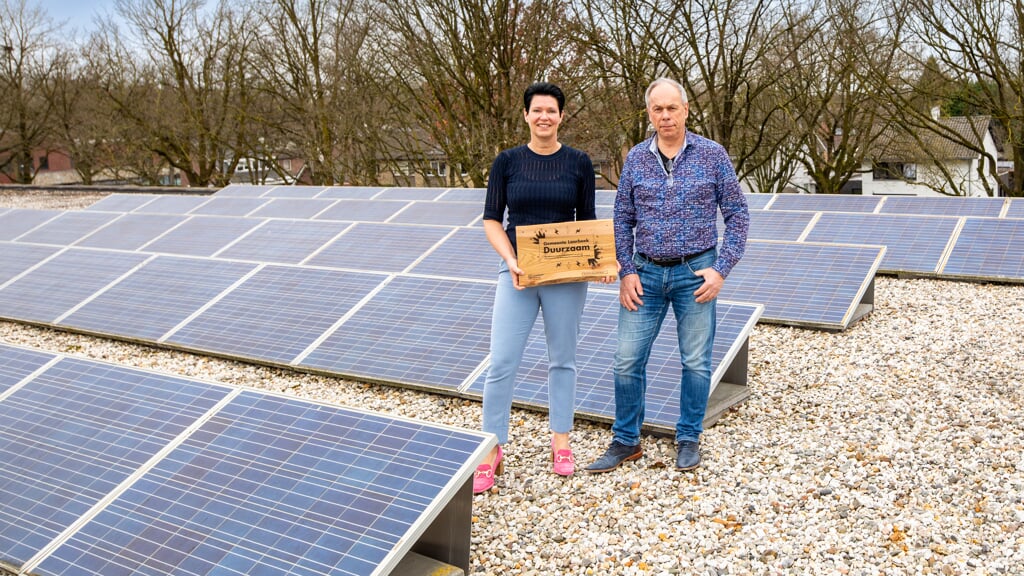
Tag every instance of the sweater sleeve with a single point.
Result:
(585, 205)
(497, 190)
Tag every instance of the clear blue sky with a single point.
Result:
(76, 13)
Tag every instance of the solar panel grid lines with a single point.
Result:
(67, 228)
(759, 201)
(379, 247)
(915, 244)
(131, 231)
(201, 235)
(340, 321)
(18, 365)
(103, 289)
(464, 195)
(439, 213)
(158, 297)
(465, 253)
(1014, 208)
(122, 202)
(986, 249)
(19, 221)
(294, 191)
(172, 204)
(292, 487)
(303, 208)
(419, 332)
(355, 210)
(410, 193)
(815, 285)
(18, 259)
(283, 241)
(274, 314)
(352, 192)
(242, 191)
(825, 202)
(942, 206)
(229, 206)
(75, 433)
(66, 278)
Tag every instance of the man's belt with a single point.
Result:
(672, 261)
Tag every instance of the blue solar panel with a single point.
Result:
(952, 206)
(802, 284)
(914, 244)
(132, 231)
(446, 213)
(465, 195)
(229, 206)
(416, 331)
(292, 208)
(17, 363)
(17, 258)
(66, 280)
(172, 204)
(283, 241)
(157, 297)
(465, 254)
(242, 191)
(121, 202)
(825, 202)
(604, 197)
(758, 201)
(774, 224)
(272, 485)
(202, 235)
(294, 191)
(67, 228)
(356, 192)
(14, 223)
(362, 210)
(73, 433)
(1015, 208)
(275, 314)
(379, 247)
(986, 249)
(594, 362)
(410, 193)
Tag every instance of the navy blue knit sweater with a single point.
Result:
(539, 189)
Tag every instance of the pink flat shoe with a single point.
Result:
(483, 478)
(562, 461)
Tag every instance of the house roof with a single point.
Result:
(896, 145)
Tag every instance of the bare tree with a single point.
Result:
(28, 49)
(976, 48)
(837, 116)
(620, 60)
(174, 74)
(456, 72)
(316, 88)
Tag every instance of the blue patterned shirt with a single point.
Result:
(674, 215)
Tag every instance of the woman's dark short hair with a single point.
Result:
(545, 89)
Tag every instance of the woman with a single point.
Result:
(541, 182)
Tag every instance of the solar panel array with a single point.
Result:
(114, 470)
(414, 329)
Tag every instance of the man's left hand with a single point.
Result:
(712, 285)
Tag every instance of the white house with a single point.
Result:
(934, 164)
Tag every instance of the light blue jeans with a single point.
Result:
(695, 326)
(515, 312)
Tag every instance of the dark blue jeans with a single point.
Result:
(695, 325)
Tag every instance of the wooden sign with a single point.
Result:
(566, 252)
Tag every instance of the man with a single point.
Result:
(670, 190)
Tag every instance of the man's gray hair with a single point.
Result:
(660, 81)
